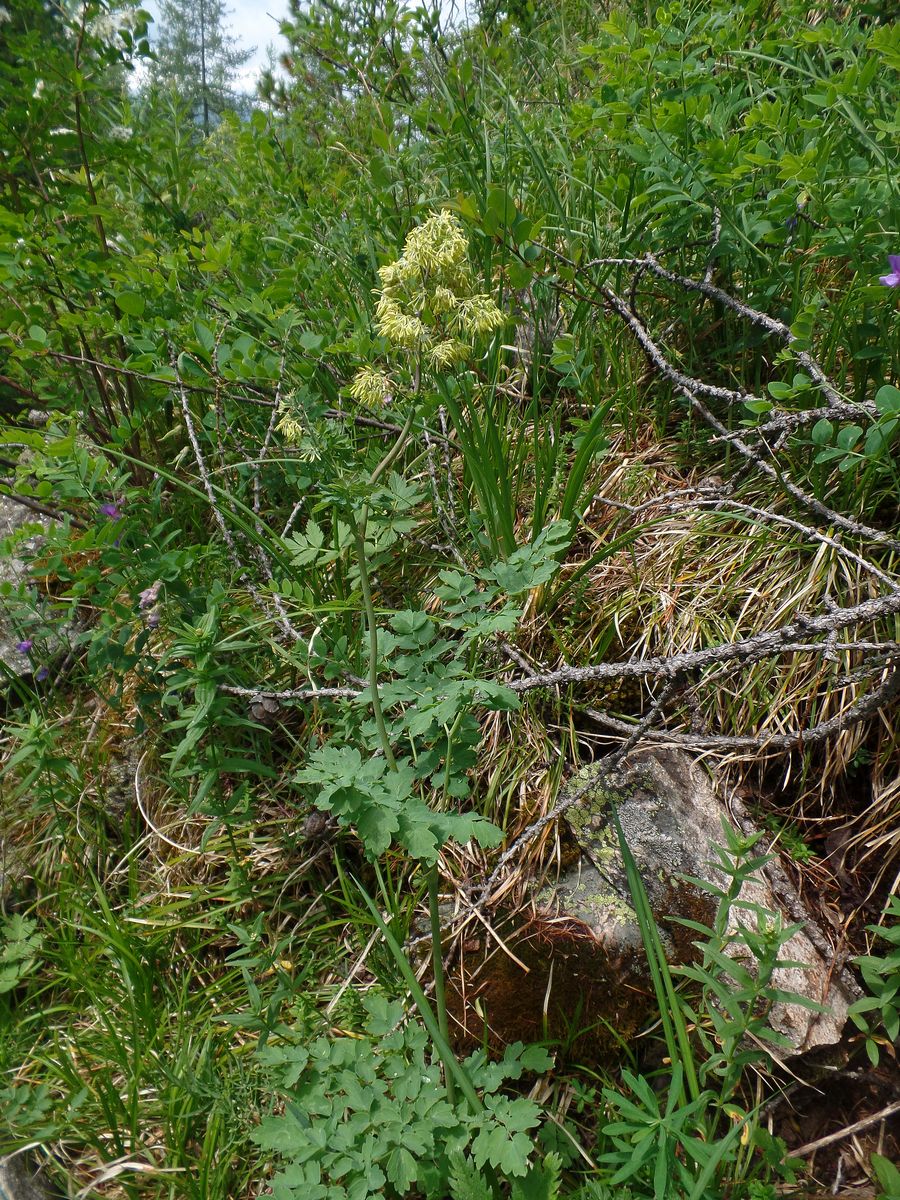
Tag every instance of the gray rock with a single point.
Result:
(10, 875)
(22, 1179)
(13, 571)
(672, 820)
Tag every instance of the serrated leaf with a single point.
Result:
(375, 827)
(401, 1169)
(536, 1059)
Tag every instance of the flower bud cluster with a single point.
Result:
(427, 304)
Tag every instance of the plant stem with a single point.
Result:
(440, 992)
(365, 586)
(437, 958)
(369, 607)
(452, 1065)
(391, 457)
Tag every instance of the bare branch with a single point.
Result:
(227, 537)
(672, 501)
(778, 328)
(781, 477)
(310, 693)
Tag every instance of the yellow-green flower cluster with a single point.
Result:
(371, 386)
(426, 302)
(289, 424)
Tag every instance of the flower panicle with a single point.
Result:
(427, 304)
(478, 315)
(372, 387)
(446, 354)
(427, 301)
(289, 424)
(398, 326)
(436, 246)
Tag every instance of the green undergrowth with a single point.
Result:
(331, 427)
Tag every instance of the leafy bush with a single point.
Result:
(365, 1114)
(881, 973)
(297, 530)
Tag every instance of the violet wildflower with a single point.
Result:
(24, 647)
(153, 618)
(111, 510)
(892, 280)
(148, 596)
(41, 674)
(791, 223)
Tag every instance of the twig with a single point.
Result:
(244, 573)
(662, 364)
(778, 328)
(864, 708)
(781, 477)
(311, 693)
(693, 389)
(352, 973)
(644, 724)
(714, 240)
(784, 421)
(43, 509)
(295, 512)
(857, 1127)
(87, 361)
(706, 288)
(528, 835)
(789, 638)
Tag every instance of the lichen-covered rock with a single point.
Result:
(13, 517)
(672, 820)
(21, 1179)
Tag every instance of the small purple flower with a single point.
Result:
(148, 596)
(153, 618)
(791, 223)
(110, 510)
(25, 646)
(41, 674)
(892, 280)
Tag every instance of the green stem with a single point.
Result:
(366, 589)
(440, 992)
(452, 1065)
(437, 959)
(391, 457)
(369, 607)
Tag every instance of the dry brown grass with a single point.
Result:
(689, 579)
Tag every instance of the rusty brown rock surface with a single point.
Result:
(671, 817)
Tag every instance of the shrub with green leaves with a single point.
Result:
(370, 1116)
(880, 1010)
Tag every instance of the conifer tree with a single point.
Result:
(197, 56)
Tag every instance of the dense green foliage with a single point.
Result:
(320, 411)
